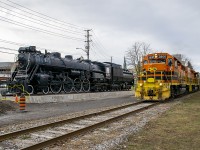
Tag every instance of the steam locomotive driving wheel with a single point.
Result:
(30, 89)
(68, 85)
(77, 85)
(86, 85)
(56, 85)
(45, 90)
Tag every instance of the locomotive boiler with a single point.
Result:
(49, 72)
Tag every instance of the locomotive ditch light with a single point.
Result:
(160, 84)
(140, 84)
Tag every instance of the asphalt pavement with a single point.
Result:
(46, 110)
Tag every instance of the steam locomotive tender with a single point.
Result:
(45, 72)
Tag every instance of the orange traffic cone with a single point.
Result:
(16, 98)
(22, 102)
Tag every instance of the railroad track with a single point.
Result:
(49, 134)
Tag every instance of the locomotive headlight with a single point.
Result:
(156, 55)
(140, 84)
(160, 84)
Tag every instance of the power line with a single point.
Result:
(35, 18)
(8, 49)
(39, 29)
(100, 46)
(100, 55)
(10, 42)
(7, 52)
(40, 22)
(103, 54)
(99, 43)
(45, 16)
(38, 47)
(21, 44)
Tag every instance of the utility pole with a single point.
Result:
(111, 59)
(87, 47)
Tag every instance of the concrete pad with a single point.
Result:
(73, 97)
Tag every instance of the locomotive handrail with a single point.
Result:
(18, 86)
(171, 75)
(13, 71)
(33, 72)
(28, 62)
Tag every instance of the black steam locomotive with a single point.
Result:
(48, 72)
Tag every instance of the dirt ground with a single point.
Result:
(7, 106)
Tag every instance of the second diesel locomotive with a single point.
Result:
(49, 72)
(164, 76)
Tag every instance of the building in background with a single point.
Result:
(5, 71)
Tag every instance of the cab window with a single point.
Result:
(162, 61)
(145, 61)
(170, 62)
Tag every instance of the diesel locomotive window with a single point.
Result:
(157, 57)
(163, 61)
(145, 62)
(170, 62)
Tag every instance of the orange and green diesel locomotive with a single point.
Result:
(164, 76)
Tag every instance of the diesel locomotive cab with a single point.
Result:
(164, 76)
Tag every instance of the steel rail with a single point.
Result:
(85, 129)
(37, 128)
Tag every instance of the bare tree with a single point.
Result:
(184, 60)
(135, 54)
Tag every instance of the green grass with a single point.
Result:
(177, 129)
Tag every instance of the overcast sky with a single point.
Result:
(170, 26)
